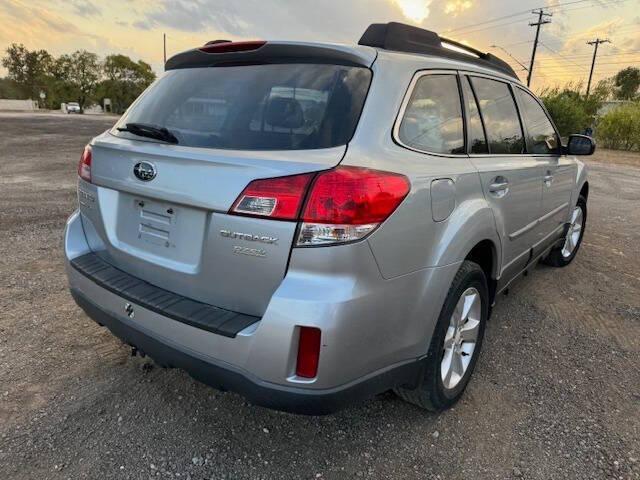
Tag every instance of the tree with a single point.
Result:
(10, 89)
(80, 71)
(627, 82)
(124, 80)
(29, 69)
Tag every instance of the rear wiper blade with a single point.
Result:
(150, 131)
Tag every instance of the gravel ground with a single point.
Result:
(556, 393)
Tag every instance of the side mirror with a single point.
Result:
(580, 145)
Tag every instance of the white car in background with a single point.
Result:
(72, 107)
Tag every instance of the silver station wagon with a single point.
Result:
(312, 224)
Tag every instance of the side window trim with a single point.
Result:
(544, 110)
(463, 77)
(520, 118)
(463, 111)
(471, 75)
(405, 102)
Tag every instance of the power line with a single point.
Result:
(630, 63)
(519, 14)
(541, 14)
(514, 58)
(562, 56)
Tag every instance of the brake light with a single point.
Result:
(275, 198)
(348, 203)
(231, 47)
(308, 352)
(84, 165)
(343, 204)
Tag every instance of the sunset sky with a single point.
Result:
(136, 28)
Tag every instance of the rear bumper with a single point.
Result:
(374, 331)
(295, 400)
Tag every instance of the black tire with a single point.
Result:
(431, 394)
(555, 258)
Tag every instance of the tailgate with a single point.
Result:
(174, 232)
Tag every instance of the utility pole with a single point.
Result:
(541, 13)
(596, 43)
(164, 43)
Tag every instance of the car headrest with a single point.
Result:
(284, 113)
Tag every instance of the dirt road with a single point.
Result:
(556, 393)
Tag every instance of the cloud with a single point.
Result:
(456, 7)
(283, 19)
(415, 10)
(85, 8)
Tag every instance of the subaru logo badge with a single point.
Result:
(144, 171)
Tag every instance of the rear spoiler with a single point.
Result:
(223, 53)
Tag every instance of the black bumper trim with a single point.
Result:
(197, 314)
(288, 399)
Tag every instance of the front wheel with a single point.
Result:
(563, 255)
(456, 342)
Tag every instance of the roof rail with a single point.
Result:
(407, 38)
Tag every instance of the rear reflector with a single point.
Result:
(308, 352)
(275, 198)
(231, 47)
(84, 165)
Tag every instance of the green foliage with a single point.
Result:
(572, 111)
(627, 82)
(29, 69)
(620, 128)
(124, 81)
(79, 72)
(10, 89)
(78, 77)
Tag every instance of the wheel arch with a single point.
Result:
(584, 190)
(485, 254)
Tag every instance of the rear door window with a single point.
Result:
(432, 120)
(500, 116)
(256, 107)
(541, 136)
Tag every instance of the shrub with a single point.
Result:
(572, 111)
(620, 128)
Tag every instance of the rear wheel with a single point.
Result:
(456, 342)
(563, 255)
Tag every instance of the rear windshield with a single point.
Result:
(255, 107)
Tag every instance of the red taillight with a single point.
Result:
(348, 203)
(84, 165)
(275, 198)
(354, 196)
(308, 352)
(343, 204)
(231, 47)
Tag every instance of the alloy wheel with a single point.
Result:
(461, 338)
(574, 232)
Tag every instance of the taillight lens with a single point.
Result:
(84, 165)
(348, 203)
(308, 352)
(343, 204)
(275, 198)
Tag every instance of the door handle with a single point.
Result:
(548, 179)
(499, 187)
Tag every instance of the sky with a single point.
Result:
(136, 28)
